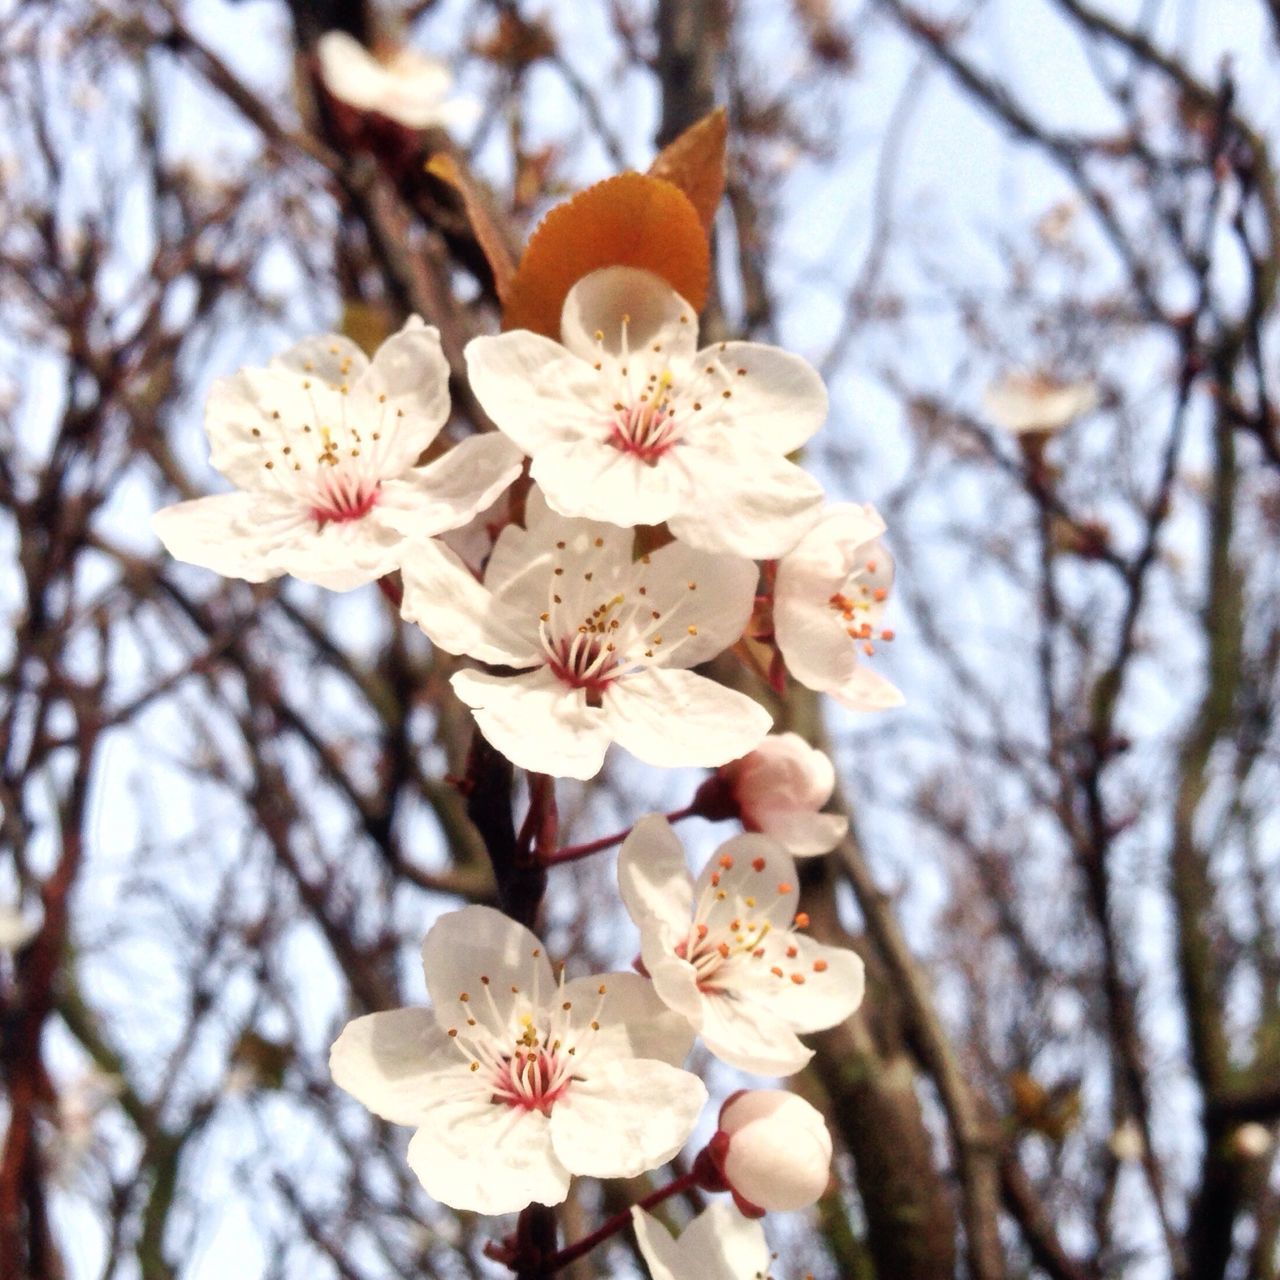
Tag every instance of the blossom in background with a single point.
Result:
(778, 788)
(719, 1244)
(324, 445)
(81, 1102)
(773, 1150)
(629, 423)
(1024, 403)
(828, 601)
(602, 642)
(724, 951)
(516, 1081)
(16, 928)
(407, 87)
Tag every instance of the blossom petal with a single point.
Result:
(753, 869)
(537, 721)
(750, 1037)
(410, 371)
(343, 555)
(633, 1021)
(760, 508)
(833, 985)
(328, 356)
(239, 535)
(777, 396)
(660, 1251)
(657, 318)
(449, 491)
(626, 1117)
(804, 834)
(399, 1064)
(588, 477)
(677, 718)
(464, 947)
(656, 887)
(457, 613)
(486, 1158)
(719, 1244)
(867, 690)
(535, 392)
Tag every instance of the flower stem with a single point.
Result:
(619, 1222)
(575, 852)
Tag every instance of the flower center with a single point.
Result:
(340, 496)
(646, 430)
(532, 1080)
(860, 604)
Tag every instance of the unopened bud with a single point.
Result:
(775, 1151)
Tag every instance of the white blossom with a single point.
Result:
(626, 421)
(1024, 403)
(324, 446)
(719, 1244)
(777, 1156)
(828, 602)
(407, 87)
(778, 789)
(17, 928)
(725, 951)
(515, 1080)
(602, 643)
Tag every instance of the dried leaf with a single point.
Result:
(443, 166)
(694, 162)
(631, 220)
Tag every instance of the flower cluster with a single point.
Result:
(636, 514)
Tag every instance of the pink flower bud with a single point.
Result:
(778, 789)
(774, 1150)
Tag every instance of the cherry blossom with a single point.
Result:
(778, 788)
(517, 1081)
(1028, 403)
(602, 641)
(407, 87)
(627, 422)
(828, 601)
(719, 1244)
(773, 1149)
(725, 953)
(17, 928)
(324, 445)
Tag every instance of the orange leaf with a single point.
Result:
(631, 220)
(694, 162)
(443, 166)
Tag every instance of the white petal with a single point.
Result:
(239, 535)
(458, 614)
(720, 1244)
(760, 506)
(658, 320)
(625, 1118)
(867, 690)
(660, 1252)
(534, 390)
(755, 867)
(713, 593)
(449, 491)
(656, 887)
(780, 398)
(587, 477)
(805, 834)
(675, 980)
(634, 1023)
(410, 370)
(830, 992)
(399, 1064)
(486, 1158)
(537, 722)
(409, 88)
(465, 946)
(16, 929)
(750, 1037)
(343, 555)
(328, 356)
(677, 719)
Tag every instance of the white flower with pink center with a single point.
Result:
(778, 788)
(405, 86)
(828, 605)
(324, 446)
(602, 643)
(628, 422)
(719, 1244)
(517, 1080)
(725, 950)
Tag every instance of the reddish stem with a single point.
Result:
(391, 588)
(575, 852)
(620, 1221)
